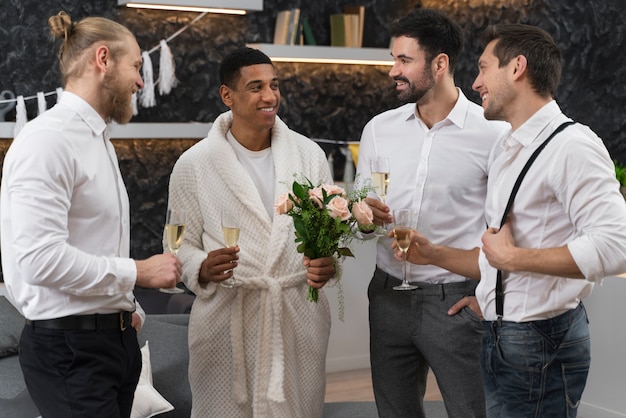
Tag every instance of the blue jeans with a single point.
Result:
(536, 369)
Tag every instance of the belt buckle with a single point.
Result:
(122, 325)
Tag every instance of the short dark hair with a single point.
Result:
(434, 31)
(542, 54)
(242, 57)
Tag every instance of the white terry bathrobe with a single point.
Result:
(258, 350)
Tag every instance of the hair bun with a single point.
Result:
(61, 25)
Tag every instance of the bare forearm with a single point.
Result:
(462, 262)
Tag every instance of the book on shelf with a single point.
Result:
(346, 29)
(337, 30)
(308, 38)
(287, 28)
(351, 27)
(358, 31)
(282, 27)
(293, 33)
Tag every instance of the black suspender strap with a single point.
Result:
(518, 182)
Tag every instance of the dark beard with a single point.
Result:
(414, 94)
(119, 107)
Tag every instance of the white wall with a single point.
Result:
(605, 393)
(348, 348)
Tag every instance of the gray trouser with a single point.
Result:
(410, 332)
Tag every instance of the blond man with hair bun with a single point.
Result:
(65, 224)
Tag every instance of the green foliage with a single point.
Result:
(319, 233)
(620, 173)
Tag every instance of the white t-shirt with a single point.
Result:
(260, 166)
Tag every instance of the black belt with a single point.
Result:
(121, 321)
(466, 287)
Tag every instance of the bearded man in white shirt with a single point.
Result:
(65, 232)
(438, 147)
(565, 231)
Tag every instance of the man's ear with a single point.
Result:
(103, 58)
(441, 63)
(520, 66)
(226, 95)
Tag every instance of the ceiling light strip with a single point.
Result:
(186, 8)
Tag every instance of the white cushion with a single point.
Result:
(148, 402)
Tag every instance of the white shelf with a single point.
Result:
(140, 130)
(161, 130)
(325, 54)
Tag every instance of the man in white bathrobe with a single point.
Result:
(259, 348)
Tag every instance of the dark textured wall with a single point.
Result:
(322, 101)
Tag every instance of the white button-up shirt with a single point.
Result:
(441, 172)
(64, 216)
(569, 197)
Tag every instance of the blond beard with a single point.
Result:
(117, 100)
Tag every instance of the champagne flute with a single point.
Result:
(404, 220)
(175, 224)
(230, 230)
(379, 169)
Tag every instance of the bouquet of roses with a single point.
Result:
(324, 217)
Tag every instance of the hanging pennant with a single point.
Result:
(147, 93)
(41, 103)
(20, 115)
(167, 69)
(133, 102)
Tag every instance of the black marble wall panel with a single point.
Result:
(146, 165)
(321, 101)
(330, 101)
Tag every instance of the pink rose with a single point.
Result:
(363, 213)
(338, 208)
(283, 204)
(334, 189)
(316, 196)
(330, 189)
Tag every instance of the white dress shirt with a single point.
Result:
(441, 172)
(64, 216)
(569, 197)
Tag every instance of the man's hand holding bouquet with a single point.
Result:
(324, 218)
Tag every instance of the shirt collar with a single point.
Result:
(456, 115)
(537, 123)
(84, 111)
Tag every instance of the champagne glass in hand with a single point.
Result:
(175, 224)
(230, 230)
(404, 220)
(379, 169)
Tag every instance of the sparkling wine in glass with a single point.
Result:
(404, 220)
(379, 171)
(175, 224)
(379, 168)
(230, 230)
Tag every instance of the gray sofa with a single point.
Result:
(167, 336)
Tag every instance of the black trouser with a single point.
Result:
(81, 373)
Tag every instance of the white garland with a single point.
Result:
(166, 81)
